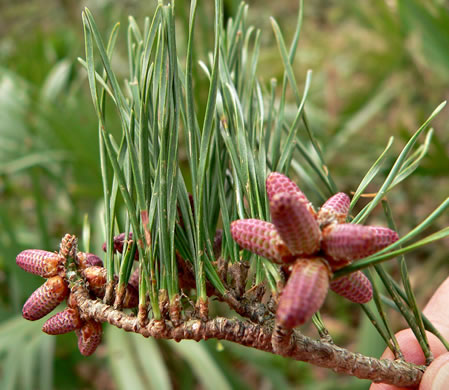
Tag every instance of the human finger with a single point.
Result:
(436, 376)
(437, 311)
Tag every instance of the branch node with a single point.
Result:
(281, 340)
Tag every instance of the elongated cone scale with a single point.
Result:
(335, 209)
(89, 337)
(304, 292)
(261, 238)
(45, 298)
(356, 287)
(63, 322)
(39, 262)
(88, 259)
(352, 242)
(295, 224)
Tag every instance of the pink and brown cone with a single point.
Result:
(297, 227)
(353, 242)
(39, 262)
(335, 209)
(304, 292)
(315, 243)
(261, 238)
(119, 243)
(356, 287)
(45, 298)
(277, 183)
(63, 322)
(89, 337)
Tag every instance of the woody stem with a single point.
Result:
(246, 333)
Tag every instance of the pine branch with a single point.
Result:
(260, 337)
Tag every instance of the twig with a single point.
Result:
(281, 339)
(245, 333)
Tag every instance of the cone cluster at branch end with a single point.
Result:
(310, 245)
(54, 267)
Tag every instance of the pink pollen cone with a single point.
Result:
(295, 224)
(304, 292)
(356, 287)
(261, 238)
(334, 210)
(351, 242)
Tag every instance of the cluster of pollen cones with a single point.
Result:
(52, 266)
(312, 245)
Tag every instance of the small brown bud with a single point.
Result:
(96, 278)
(163, 303)
(142, 314)
(45, 298)
(39, 262)
(64, 322)
(175, 310)
(88, 259)
(89, 337)
(304, 292)
(202, 306)
(119, 242)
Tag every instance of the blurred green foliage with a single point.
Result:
(380, 68)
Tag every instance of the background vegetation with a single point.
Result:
(379, 69)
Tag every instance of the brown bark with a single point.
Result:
(262, 337)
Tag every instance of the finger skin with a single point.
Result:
(437, 374)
